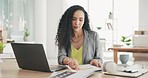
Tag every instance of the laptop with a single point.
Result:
(31, 56)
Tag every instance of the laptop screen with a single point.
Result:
(30, 56)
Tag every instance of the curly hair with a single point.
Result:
(65, 31)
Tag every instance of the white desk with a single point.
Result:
(9, 69)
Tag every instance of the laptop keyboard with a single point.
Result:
(63, 74)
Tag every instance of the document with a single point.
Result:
(86, 67)
(84, 72)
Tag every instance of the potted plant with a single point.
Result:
(1, 47)
(26, 34)
(126, 40)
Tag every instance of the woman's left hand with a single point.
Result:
(95, 62)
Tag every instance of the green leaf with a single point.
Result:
(128, 40)
(1, 46)
(123, 38)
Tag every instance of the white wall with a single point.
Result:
(143, 13)
(99, 11)
(54, 13)
(40, 22)
(68, 3)
(47, 16)
(126, 16)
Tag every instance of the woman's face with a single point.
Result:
(78, 20)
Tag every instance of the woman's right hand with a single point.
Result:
(72, 63)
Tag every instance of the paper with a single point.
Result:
(120, 73)
(84, 72)
(86, 67)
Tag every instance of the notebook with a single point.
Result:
(31, 56)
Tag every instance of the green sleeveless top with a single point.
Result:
(77, 54)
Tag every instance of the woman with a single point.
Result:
(77, 43)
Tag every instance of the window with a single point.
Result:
(15, 15)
